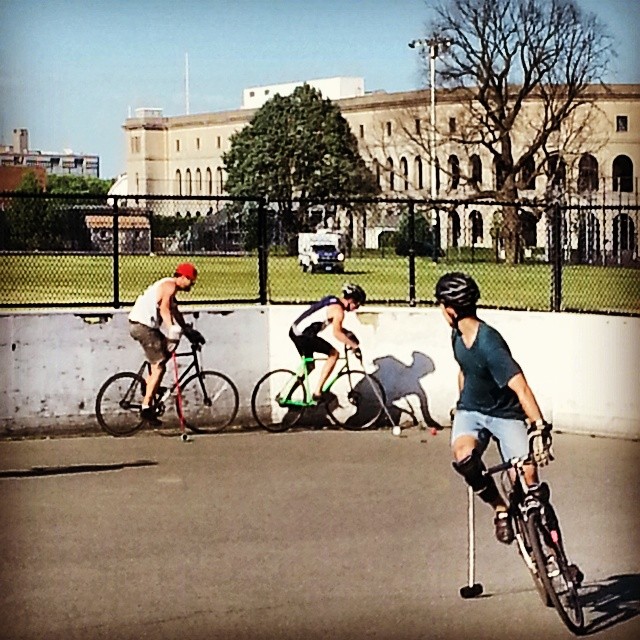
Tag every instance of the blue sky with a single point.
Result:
(71, 69)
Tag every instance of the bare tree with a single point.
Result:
(522, 72)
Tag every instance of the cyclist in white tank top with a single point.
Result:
(156, 320)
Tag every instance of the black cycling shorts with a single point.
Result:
(308, 345)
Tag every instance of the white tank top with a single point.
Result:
(146, 309)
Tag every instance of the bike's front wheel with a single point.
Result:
(356, 400)
(209, 402)
(278, 400)
(118, 403)
(526, 553)
(555, 574)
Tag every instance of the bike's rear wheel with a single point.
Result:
(555, 574)
(356, 400)
(118, 403)
(278, 400)
(209, 402)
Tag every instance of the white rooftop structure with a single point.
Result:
(332, 88)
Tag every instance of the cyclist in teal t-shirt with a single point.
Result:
(495, 400)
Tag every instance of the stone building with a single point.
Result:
(595, 162)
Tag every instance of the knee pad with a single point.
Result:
(473, 470)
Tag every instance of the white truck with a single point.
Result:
(322, 251)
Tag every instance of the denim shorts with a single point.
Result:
(511, 434)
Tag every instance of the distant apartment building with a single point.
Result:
(19, 154)
(182, 155)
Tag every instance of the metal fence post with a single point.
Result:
(116, 256)
(556, 257)
(412, 255)
(262, 252)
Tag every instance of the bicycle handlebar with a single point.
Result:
(508, 464)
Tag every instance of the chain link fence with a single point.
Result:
(571, 255)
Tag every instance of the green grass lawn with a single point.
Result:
(63, 279)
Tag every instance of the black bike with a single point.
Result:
(540, 544)
(205, 401)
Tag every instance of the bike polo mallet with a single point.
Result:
(183, 432)
(472, 589)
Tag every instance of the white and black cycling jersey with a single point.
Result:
(315, 318)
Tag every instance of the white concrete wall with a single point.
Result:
(583, 368)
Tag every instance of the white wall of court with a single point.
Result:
(583, 368)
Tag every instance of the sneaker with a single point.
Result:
(149, 416)
(504, 529)
(319, 399)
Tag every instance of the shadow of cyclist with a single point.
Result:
(611, 601)
(401, 381)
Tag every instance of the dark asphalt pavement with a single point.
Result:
(312, 534)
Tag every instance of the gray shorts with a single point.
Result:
(152, 341)
(511, 434)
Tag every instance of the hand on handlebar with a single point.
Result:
(540, 443)
(194, 336)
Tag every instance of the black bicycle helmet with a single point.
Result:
(457, 290)
(355, 292)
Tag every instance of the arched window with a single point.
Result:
(419, 179)
(556, 171)
(528, 228)
(219, 181)
(188, 186)
(589, 239)
(476, 170)
(453, 229)
(178, 182)
(454, 170)
(587, 173)
(209, 178)
(392, 175)
(475, 223)
(198, 182)
(528, 174)
(624, 234)
(622, 174)
(404, 170)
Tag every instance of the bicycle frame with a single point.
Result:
(145, 367)
(302, 375)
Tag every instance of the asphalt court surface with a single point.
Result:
(309, 534)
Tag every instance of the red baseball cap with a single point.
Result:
(187, 270)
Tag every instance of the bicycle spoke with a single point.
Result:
(209, 402)
(555, 574)
(355, 400)
(118, 404)
(278, 400)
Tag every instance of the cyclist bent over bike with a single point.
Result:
(495, 399)
(155, 310)
(329, 310)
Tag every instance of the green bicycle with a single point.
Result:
(355, 399)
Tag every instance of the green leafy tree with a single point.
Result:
(297, 147)
(38, 222)
(522, 71)
(77, 184)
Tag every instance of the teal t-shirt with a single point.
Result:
(487, 367)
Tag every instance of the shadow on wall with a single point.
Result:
(406, 398)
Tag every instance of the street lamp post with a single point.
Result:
(435, 45)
